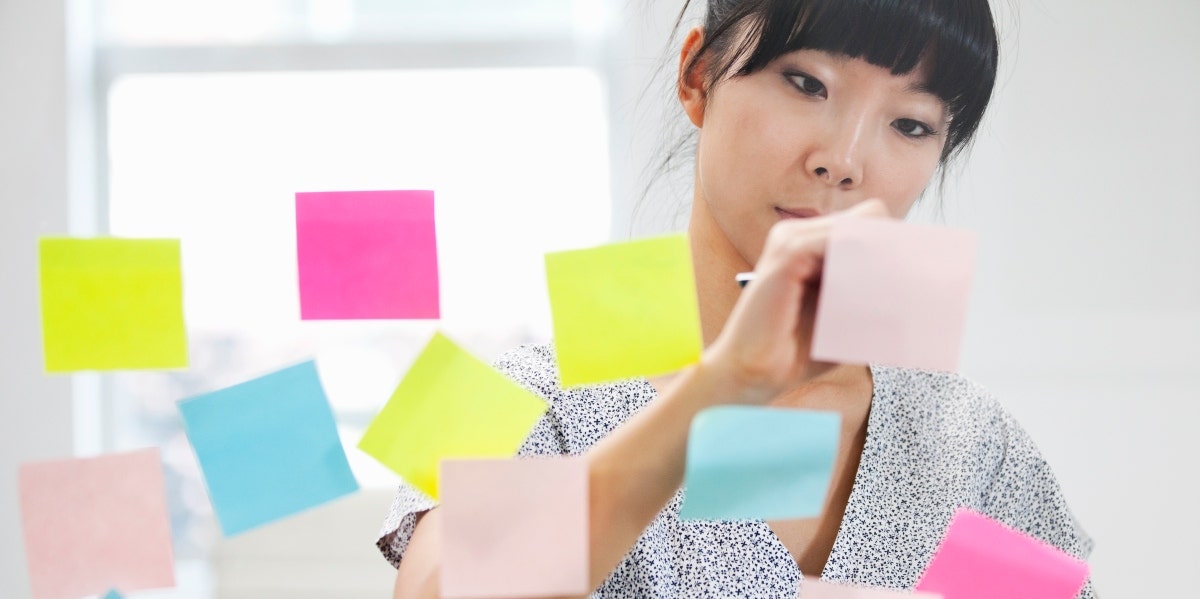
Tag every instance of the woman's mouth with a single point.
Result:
(796, 212)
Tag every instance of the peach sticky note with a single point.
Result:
(367, 254)
(812, 588)
(112, 304)
(95, 524)
(449, 405)
(894, 293)
(980, 558)
(624, 310)
(514, 528)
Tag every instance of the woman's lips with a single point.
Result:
(796, 212)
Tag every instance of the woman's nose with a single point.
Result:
(836, 157)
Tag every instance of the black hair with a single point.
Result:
(954, 41)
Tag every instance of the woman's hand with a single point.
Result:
(765, 345)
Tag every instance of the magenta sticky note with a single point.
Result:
(811, 588)
(367, 254)
(514, 528)
(980, 558)
(95, 524)
(894, 293)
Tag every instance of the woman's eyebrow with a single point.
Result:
(920, 87)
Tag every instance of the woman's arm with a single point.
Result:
(633, 473)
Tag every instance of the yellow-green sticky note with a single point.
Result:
(112, 304)
(449, 405)
(624, 310)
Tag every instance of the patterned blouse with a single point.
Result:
(934, 442)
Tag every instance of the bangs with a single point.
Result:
(952, 41)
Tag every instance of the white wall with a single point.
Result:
(35, 410)
(1086, 312)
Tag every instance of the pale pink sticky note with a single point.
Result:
(811, 588)
(96, 524)
(894, 293)
(983, 559)
(514, 528)
(367, 254)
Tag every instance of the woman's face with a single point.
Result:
(810, 134)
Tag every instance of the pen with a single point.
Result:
(743, 278)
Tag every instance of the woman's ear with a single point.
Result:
(692, 94)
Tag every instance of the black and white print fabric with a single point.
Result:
(935, 442)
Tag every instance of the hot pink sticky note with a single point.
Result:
(811, 588)
(983, 559)
(95, 524)
(367, 254)
(894, 293)
(514, 528)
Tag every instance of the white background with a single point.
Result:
(1085, 314)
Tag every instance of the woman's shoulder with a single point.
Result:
(532, 366)
(584, 414)
(940, 408)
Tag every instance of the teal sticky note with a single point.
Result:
(759, 463)
(111, 595)
(268, 448)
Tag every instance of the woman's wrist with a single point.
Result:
(724, 382)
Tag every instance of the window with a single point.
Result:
(214, 155)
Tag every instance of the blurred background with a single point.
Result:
(538, 123)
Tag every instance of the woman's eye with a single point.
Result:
(807, 84)
(911, 128)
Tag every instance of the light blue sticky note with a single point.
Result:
(268, 448)
(112, 595)
(749, 463)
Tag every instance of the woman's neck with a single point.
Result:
(716, 262)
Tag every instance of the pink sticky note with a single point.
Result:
(367, 254)
(95, 524)
(514, 528)
(894, 293)
(811, 588)
(983, 559)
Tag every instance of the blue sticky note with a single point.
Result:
(759, 463)
(111, 595)
(268, 448)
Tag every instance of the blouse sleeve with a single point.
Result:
(1026, 496)
(544, 439)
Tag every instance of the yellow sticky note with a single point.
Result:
(112, 304)
(449, 405)
(624, 310)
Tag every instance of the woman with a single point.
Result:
(804, 109)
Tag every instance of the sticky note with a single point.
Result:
(111, 304)
(812, 588)
(93, 524)
(268, 448)
(449, 405)
(894, 293)
(367, 254)
(980, 558)
(514, 528)
(755, 462)
(624, 310)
